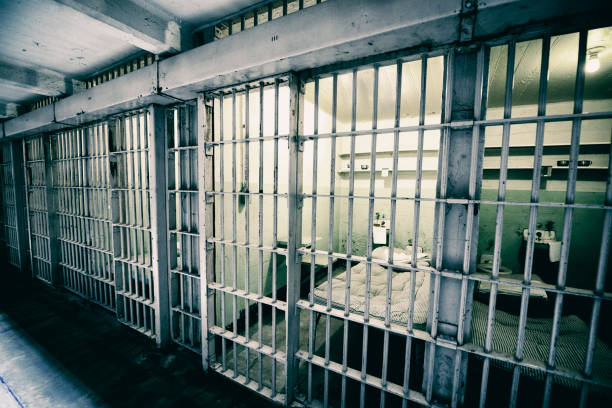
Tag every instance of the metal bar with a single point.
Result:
(52, 222)
(275, 230)
(349, 239)
(292, 327)
(415, 233)
(330, 260)
(364, 355)
(247, 230)
(260, 240)
(391, 246)
(234, 237)
(313, 234)
(20, 203)
(155, 132)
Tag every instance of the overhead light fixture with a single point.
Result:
(592, 63)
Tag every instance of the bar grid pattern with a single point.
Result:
(579, 139)
(8, 210)
(249, 135)
(341, 309)
(82, 186)
(130, 202)
(183, 220)
(355, 134)
(38, 216)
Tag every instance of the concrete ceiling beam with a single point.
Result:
(136, 25)
(41, 82)
(8, 110)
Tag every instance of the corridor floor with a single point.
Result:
(59, 351)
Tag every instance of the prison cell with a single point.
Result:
(183, 226)
(8, 209)
(81, 182)
(129, 148)
(395, 232)
(35, 163)
(250, 126)
(387, 135)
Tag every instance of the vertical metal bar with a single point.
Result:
(275, 231)
(349, 238)
(455, 181)
(260, 238)
(154, 130)
(398, 103)
(471, 223)
(234, 235)
(535, 189)
(52, 222)
(247, 225)
(313, 234)
(415, 233)
(296, 123)
(222, 224)
(19, 197)
(206, 207)
(371, 194)
(27, 208)
(330, 259)
(529, 256)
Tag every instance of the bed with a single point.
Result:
(573, 332)
(571, 343)
(400, 284)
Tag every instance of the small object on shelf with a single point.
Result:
(562, 163)
(584, 163)
(546, 171)
(364, 167)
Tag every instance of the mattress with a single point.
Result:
(571, 343)
(400, 296)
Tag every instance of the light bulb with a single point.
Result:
(592, 64)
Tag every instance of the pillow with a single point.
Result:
(399, 256)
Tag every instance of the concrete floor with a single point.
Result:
(59, 351)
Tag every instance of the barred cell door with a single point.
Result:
(249, 222)
(138, 206)
(38, 185)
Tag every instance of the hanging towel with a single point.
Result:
(554, 251)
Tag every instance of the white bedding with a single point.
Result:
(505, 289)
(400, 297)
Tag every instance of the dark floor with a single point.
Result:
(57, 350)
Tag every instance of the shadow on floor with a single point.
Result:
(109, 364)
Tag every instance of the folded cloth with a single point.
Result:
(554, 250)
(507, 289)
(399, 256)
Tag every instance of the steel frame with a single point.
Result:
(82, 185)
(454, 272)
(186, 167)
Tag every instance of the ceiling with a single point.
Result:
(49, 46)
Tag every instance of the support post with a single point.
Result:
(159, 224)
(51, 199)
(296, 126)
(456, 229)
(20, 206)
(206, 227)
